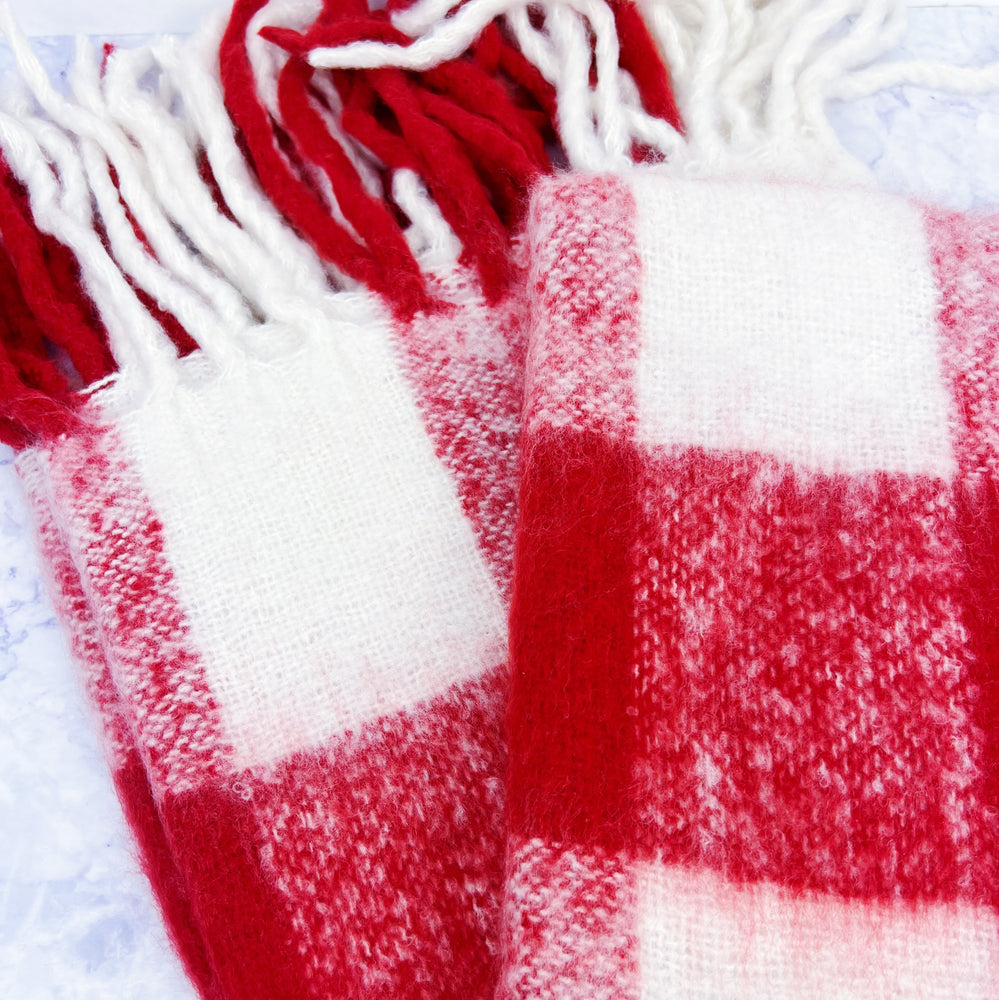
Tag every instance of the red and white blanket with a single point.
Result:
(304, 635)
(709, 709)
(753, 742)
(284, 561)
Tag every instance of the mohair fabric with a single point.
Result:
(753, 742)
(713, 713)
(283, 562)
(313, 761)
(283, 553)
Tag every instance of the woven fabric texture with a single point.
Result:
(320, 723)
(753, 744)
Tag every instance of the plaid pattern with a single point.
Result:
(754, 623)
(309, 668)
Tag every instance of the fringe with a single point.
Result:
(273, 169)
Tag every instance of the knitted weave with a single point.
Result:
(284, 561)
(753, 625)
(311, 777)
(284, 571)
(753, 719)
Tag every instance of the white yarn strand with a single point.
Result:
(184, 195)
(431, 239)
(878, 28)
(446, 40)
(596, 124)
(422, 16)
(202, 322)
(88, 119)
(267, 60)
(568, 28)
(83, 172)
(967, 80)
(296, 289)
(783, 108)
(752, 80)
(187, 66)
(141, 349)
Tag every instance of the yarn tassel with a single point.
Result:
(472, 125)
(477, 168)
(49, 343)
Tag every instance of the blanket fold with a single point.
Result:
(525, 533)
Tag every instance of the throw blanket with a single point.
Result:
(279, 525)
(753, 720)
(749, 598)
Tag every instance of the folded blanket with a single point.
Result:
(295, 709)
(284, 556)
(753, 721)
(293, 610)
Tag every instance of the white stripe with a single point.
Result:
(322, 558)
(702, 938)
(791, 320)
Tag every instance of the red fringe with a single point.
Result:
(369, 215)
(474, 128)
(456, 126)
(301, 206)
(641, 58)
(51, 341)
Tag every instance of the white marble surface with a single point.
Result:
(111, 17)
(76, 916)
(924, 143)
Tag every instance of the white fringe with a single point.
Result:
(751, 79)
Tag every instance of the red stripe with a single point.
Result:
(571, 711)
(966, 259)
(388, 848)
(978, 524)
(793, 650)
(571, 634)
(807, 688)
(213, 837)
(160, 866)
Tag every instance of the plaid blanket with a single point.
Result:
(753, 721)
(319, 723)
(609, 615)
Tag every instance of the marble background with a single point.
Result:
(111, 17)
(77, 920)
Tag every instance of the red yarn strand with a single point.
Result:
(63, 321)
(641, 58)
(368, 215)
(292, 197)
(453, 183)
